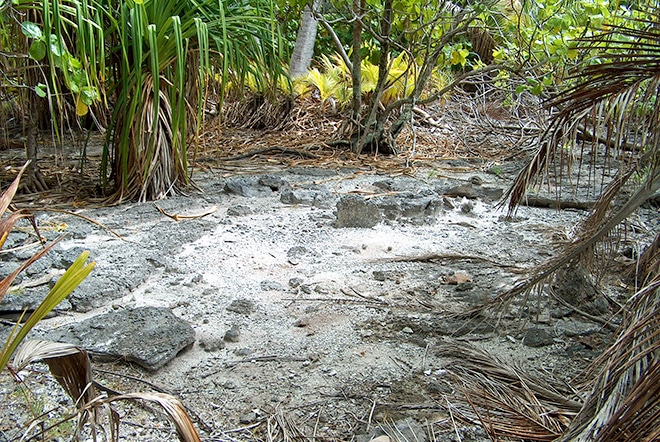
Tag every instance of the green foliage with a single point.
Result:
(149, 60)
(163, 51)
(537, 36)
(49, 41)
(334, 81)
(542, 37)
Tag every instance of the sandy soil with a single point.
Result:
(338, 328)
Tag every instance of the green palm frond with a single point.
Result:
(74, 275)
(150, 123)
(325, 83)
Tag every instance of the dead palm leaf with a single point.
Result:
(69, 365)
(7, 223)
(8, 195)
(603, 219)
(5, 284)
(509, 402)
(172, 407)
(624, 400)
(613, 102)
(648, 266)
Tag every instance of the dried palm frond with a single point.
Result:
(612, 102)
(69, 365)
(7, 223)
(507, 401)
(258, 111)
(281, 427)
(172, 407)
(64, 286)
(648, 266)
(598, 225)
(624, 404)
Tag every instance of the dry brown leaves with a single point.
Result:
(311, 129)
(306, 135)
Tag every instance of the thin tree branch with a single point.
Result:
(337, 43)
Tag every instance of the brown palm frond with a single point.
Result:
(172, 407)
(648, 265)
(593, 229)
(8, 195)
(69, 365)
(283, 426)
(5, 284)
(614, 101)
(624, 402)
(7, 223)
(509, 402)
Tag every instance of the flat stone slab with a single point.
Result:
(148, 336)
(354, 211)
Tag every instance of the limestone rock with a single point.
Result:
(148, 336)
(271, 286)
(239, 210)
(354, 211)
(233, 334)
(537, 337)
(242, 306)
(212, 343)
(272, 181)
(247, 187)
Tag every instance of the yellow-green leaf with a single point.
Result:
(81, 108)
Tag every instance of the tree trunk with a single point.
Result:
(356, 73)
(32, 180)
(373, 128)
(303, 51)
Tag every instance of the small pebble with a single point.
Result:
(476, 180)
(233, 334)
(248, 418)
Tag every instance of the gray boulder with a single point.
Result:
(354, 211)
(298, 197)
(247, 186)
(537, 337)
(148, 336)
